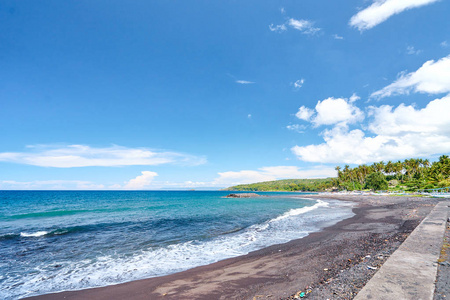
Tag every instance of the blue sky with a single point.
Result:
(207, 94)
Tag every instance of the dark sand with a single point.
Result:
(333, 263)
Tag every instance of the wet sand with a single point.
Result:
(334, 263)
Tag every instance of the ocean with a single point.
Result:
(54, 241)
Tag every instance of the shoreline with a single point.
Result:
(310, 264)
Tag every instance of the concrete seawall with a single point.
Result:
(410, 272)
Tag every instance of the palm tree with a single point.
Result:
(389, 167)
(379, 166)
(338, 169)
(398, 169)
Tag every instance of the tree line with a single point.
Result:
(408, 175)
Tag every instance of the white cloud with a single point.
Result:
(304, 26)
(395, 134)
(340, 147)
(444, 44)
(336, 110)
(271, 173)
(249, 116)
(338, 37)
(304, 113)
(86, 156)
(49, 185)
(412, 51)
(432, 77)
(244, 82)
(391, 133)
(147, 180)
(277, 28)
(297, 127)
(332, 111)
(282, 10)
(299, 83)
(226, 179)
(381, 10)
(141, 182)
(406, 119)
(354, 98)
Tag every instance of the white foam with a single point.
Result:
(299, 211)
(34, 234)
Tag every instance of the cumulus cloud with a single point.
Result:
(332, 111)
(244, 82)
(338, 37)
(304, 113)
(271, 173)
(406, 119)
(393, 134)
(432, 77)
(141, 182)
(381, 10)
(304, 26)
(390, 132)
(85, 156)
(336, 110)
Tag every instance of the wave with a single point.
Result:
(44, 233)
(62, 213)
(34, 234)
(299, 211)
(164, 223)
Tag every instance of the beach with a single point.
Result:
(334, 263)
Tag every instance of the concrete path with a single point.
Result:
(410, 272)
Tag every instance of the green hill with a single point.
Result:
(287, 185)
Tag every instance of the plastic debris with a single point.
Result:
(299, 295)
(371, 268)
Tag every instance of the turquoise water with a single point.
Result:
(63, 240)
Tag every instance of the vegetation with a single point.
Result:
(289, 185)
(376, 181)
(410, 175)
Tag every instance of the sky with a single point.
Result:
(193, 94)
